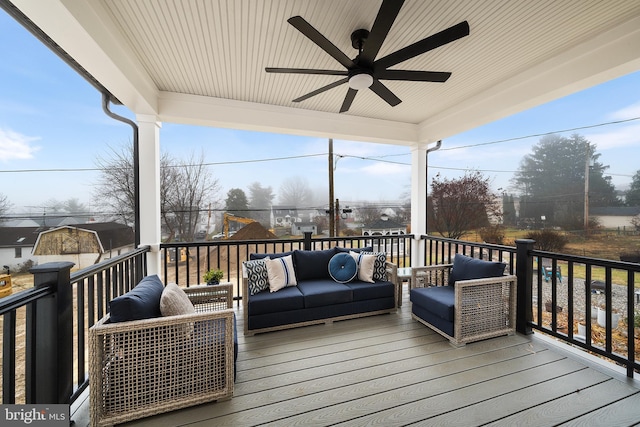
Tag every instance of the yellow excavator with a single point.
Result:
(5, 283)
(232, 218)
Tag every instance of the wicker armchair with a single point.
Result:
(482, 308)
(145, 367)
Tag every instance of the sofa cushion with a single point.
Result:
(466, 268)
(257, 277)
(323, 292)
(366, 264)
(174, 301)
(141, 302)
(363, 291)
(312, 264)
(280, 272)
(275, 302)
(272, 256)
(342, 267)
(438, 300)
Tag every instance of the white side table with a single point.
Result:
(404, 275)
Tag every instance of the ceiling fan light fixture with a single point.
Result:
(360, 81)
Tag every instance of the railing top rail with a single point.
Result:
(469, 243)
(223, 242)
(22, 298)
(97, 268)
(600, 262)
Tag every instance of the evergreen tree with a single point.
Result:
(236, 203)
(633, 193)
(552, 181)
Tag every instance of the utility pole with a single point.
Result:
(331, 209)
(337, 218)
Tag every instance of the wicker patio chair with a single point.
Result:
(145, 367)
(482, 308)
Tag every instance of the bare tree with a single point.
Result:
(114, 191)
(463, 204)
(5, 205)
(186, 188)
(189, 188)
(369, 213)
(295, 191)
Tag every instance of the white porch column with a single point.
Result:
(418, 201)
(149, 151)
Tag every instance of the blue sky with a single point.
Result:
(51, 119)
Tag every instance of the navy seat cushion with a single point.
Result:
(323, 292)
(141, 302)
(342, 267)
(363, 291)
(438, 300)
(466, 268)
(289, 298)
(312, 264)
(272, 256)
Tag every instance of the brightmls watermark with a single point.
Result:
(34, 415)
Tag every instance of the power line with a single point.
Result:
(376, 158)
(541, 134)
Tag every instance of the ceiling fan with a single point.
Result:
(365, 71)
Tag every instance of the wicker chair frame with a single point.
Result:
(483, 308)
(146, 367)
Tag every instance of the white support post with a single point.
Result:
(149, 151)
(418, 202)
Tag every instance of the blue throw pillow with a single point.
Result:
(342, 267)
(141, 302)
(466, 268)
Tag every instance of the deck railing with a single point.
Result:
(54, 316)
(44, 341)
(185, 263)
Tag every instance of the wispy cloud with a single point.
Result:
(621, 136)
(628, 112)
(14, 145)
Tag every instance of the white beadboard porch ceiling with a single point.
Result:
(190, 60)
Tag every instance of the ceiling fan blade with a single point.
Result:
(322, 89)
(383, 92)
(348, 100)
(436, 40)
(413, 76)
(384, 20)
(314, 35)
(306, 71)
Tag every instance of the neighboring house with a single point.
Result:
(84, 244)
(299, 228)
(383, 227)
(16, 245)
(615, 217)
(386, 227)
(284, 216)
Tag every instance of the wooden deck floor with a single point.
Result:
(389, 370)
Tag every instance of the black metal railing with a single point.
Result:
(185, 263)
(45, 328)
(44, 341)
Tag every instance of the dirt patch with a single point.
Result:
(253, 231)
